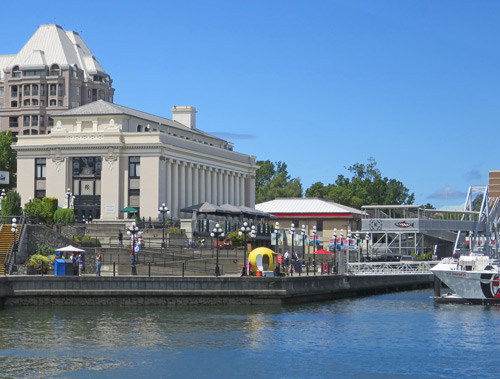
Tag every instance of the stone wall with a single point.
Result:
(91, 290)
(35, 235)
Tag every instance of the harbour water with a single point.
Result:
(398, 335)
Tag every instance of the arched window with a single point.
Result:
(139, 128)
(54, 70)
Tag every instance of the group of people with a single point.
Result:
(78, 260)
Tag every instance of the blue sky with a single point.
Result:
(319, 85)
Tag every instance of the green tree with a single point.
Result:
(8, 161)
(11, 205)
(34, 210)
(49, 205)
(273, 181)
(366, 187)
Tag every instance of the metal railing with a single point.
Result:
(390, 268)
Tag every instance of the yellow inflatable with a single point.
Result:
(262, 259)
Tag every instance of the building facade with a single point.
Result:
(54, 71)
(111, 157)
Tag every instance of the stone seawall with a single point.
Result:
(62, 290)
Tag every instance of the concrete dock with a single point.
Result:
(29, 290)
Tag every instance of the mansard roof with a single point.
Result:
(52, 45)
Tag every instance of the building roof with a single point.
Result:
(306, 207)
(102, 107)
(52, 45)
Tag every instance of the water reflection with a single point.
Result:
(353, 337)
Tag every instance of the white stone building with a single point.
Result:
(111, 157)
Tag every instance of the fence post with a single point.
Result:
(307, 268)
(149, 269)
(183, 269)
(114, 268)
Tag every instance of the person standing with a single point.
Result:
(120, 238)
(98, 264)
(286, 256)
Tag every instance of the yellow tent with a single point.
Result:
(262, 259)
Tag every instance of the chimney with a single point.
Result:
(185, 115)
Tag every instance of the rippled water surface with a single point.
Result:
(389, 336)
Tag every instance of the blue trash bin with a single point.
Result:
(59, 267)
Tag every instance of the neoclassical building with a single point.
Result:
(53, 71)
(111, 157)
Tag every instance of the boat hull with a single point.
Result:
(469, 286)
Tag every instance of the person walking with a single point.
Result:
(98, 264)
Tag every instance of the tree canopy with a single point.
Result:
(272, 181)
(366, 187)
(8, 161)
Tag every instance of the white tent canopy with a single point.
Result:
(69, 248)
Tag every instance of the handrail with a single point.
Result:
(15, 246)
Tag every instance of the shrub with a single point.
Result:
(49, 205)
(44, 250)
(64, 216)
(86, 241)
(236, 239)
(34, 210)
(173, 230)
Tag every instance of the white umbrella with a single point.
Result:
(70, 248)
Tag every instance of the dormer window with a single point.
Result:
(54, 70)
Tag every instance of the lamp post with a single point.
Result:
(69, 197)
(2, 196)
(163, 209)
(303, 234)
(367, 238)
(277, 231)
(357, 245)
(348, 244)
(14, 230)
(334, 240)
(132, 230)
(217, 233)
(244, 231)
(314, 247)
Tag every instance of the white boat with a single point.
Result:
(473, 279)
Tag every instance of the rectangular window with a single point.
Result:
(42, 120)
(42, 89)
(134, 167)
(51, 121)
(2, 92)
(16, 74)
(27, 89)
(13, 91)
(53, 89)
(59, 90)
(40, 168)
(26, 120)
(319, 225)
(34, 120)
(13, 122)
(26, 103)
(34, 90)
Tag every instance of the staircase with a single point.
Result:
(6, 241)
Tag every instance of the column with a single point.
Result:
(226, 186)
(189, 185)
(237, 189)
(251, 191)
(242, 189)
(182, 182)
(220, 188)
(208, 186)
(203, 194)
(169, 184)
(214, 186)
(231, 188)
(175, 189)
(196, 186)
